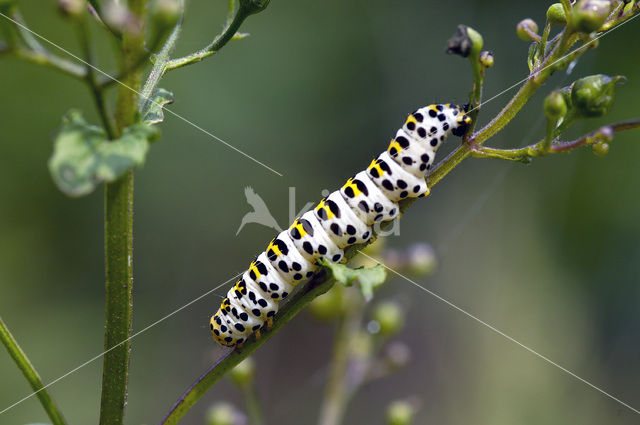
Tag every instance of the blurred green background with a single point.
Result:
(547, 253)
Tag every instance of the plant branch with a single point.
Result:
(526, 153)
(30, 374)
(34, 52)
(98, 93)
(218, 43)
(160, 61)
(119, 244)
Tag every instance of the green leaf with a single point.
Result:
(83, 157)
(368, 278)
(154, 108)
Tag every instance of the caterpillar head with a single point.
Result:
(462, 120)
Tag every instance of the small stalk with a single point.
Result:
(252, 405)
(337, 392)
(119, 246)
(30, 374)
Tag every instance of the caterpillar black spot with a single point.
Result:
(341, 219)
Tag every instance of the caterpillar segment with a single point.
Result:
(341, 219)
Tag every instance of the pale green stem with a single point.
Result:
(30, 374)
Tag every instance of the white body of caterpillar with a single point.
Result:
(341, 219)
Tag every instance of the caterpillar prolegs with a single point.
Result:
(341, 219)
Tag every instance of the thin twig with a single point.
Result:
(526, 153)
(98, 93)
(30, 374)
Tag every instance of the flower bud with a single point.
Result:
(390, 317)
(593, 96)
(486, 59)
(556, 15)
(165, 13)
(120, 18)
(421, 259)
(400, 413)
(243, 373)
(465, 42)
(525, 28)
(253, 6)
(589, 15)
(223, 413)
(72, 8)
(554, 106)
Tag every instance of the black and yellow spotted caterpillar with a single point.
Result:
(341, 219)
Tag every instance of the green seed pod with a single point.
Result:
(589, 15)
(555, 106)
(253, 6)
(600, 149)
(525, 28)
(243, 373)
(400, 413)
(486, 59)
(556, 15)
(465, 42)
(223, 413)
(593, 96)
(390, 316)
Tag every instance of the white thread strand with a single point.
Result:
(499, 332)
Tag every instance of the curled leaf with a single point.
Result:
(153, 110)
(83, 157)
(368, 278)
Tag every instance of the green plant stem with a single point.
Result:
(337, 394)
(252, 404)
(532, 84)
(33, 51)
(98, 93)
(119, 246)
(30, 374)
(219, 42)
(157, 71)
(50, 61)
(318, 285)
(526, 153)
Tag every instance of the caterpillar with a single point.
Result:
(341, 219)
